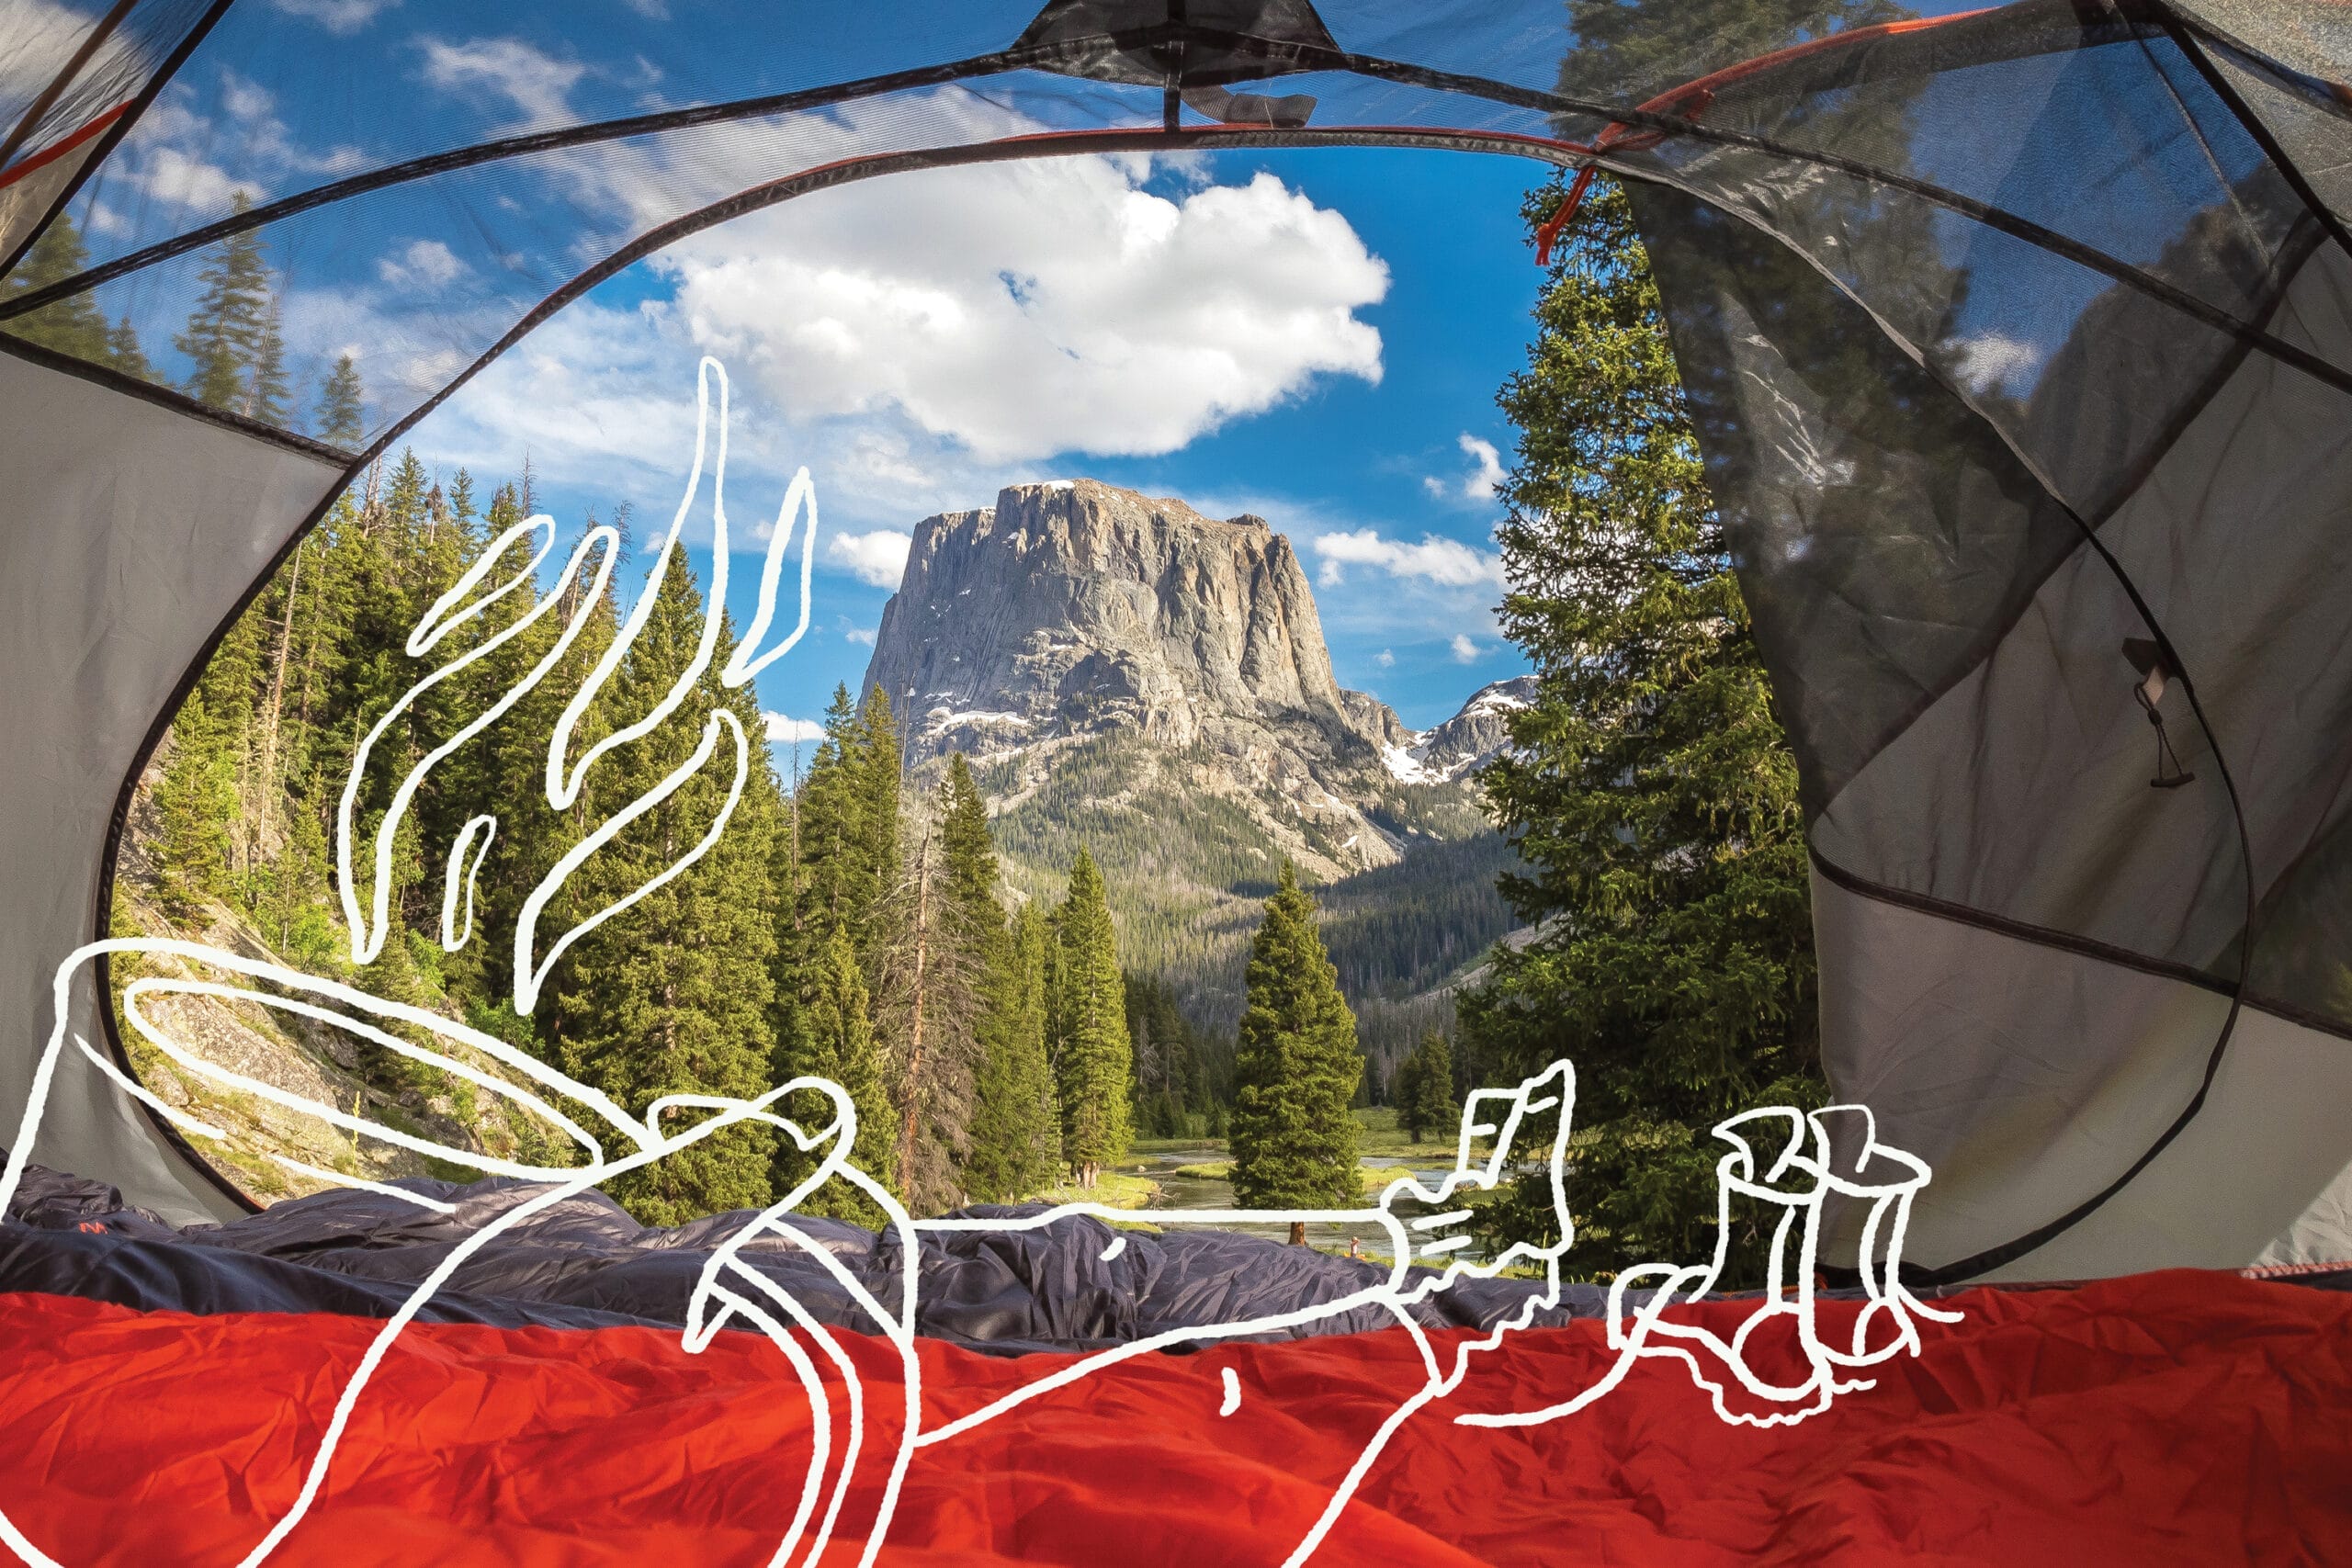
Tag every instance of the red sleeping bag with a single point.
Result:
(2178, 1417)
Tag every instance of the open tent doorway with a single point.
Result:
(1996, 393)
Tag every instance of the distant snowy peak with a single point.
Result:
(1465, 742)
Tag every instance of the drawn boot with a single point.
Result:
(1881, 1182)
(1529, 1127)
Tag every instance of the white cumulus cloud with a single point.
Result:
(880, 558)
(1385, 658)
(1448, 563)
(427, 262)
(790, 730)
(1464, 651)
(1075, 311)
(1990, 361)
(169, 175)
(861, 635)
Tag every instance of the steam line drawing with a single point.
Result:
(1429, 1253)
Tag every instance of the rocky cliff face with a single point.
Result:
(1127, 673)
(1077, 611)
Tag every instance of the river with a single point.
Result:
(1215, 1192)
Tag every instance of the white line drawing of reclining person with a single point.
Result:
(1426, 1251)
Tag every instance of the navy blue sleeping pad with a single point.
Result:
(584, 1263)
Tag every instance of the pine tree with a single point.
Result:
(1017, 1118)
(837, 1042)
(124, 353)
(1295, 1068)
(952, 953)
(266, 394)
(1649, 790)
(342, 410)
(71, 325)
(230, 331)
(841, 879)
(196, 802)
(674, 997)
(1424, 1090)
(877, 861)
(1089, 1021)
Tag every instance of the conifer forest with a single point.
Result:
(1641, 906)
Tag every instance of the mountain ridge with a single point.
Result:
(1124, 672)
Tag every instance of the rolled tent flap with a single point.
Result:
(127, 533)
(2047, 559)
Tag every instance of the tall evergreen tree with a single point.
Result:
(1649, 789)
(1016, 1115)
(1295, 1068)
(231, 333)
(71, 325)
(197, 806)
(124, 353)
(266, 393)
(878, 864)
(952, 960)
(1088, 1013)
(674, 996)
(1426, 1107)
(342, 410)
(837, 1042)
(930, 1004)
(839, 877)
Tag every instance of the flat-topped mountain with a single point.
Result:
(1076, 610)
(1125, 672)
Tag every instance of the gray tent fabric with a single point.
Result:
(583, 1262)
(1990, 1086)
(2018, 345)
(128, 533)
(1962, 492)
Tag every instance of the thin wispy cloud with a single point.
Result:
(342, 17)
(537, 84)
(1485, 477)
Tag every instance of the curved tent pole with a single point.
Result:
(1370, 66)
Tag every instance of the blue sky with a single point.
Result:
(1377, 469)
(1364, 475)
(1314, 336)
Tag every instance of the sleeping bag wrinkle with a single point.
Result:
(2173, 1420)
